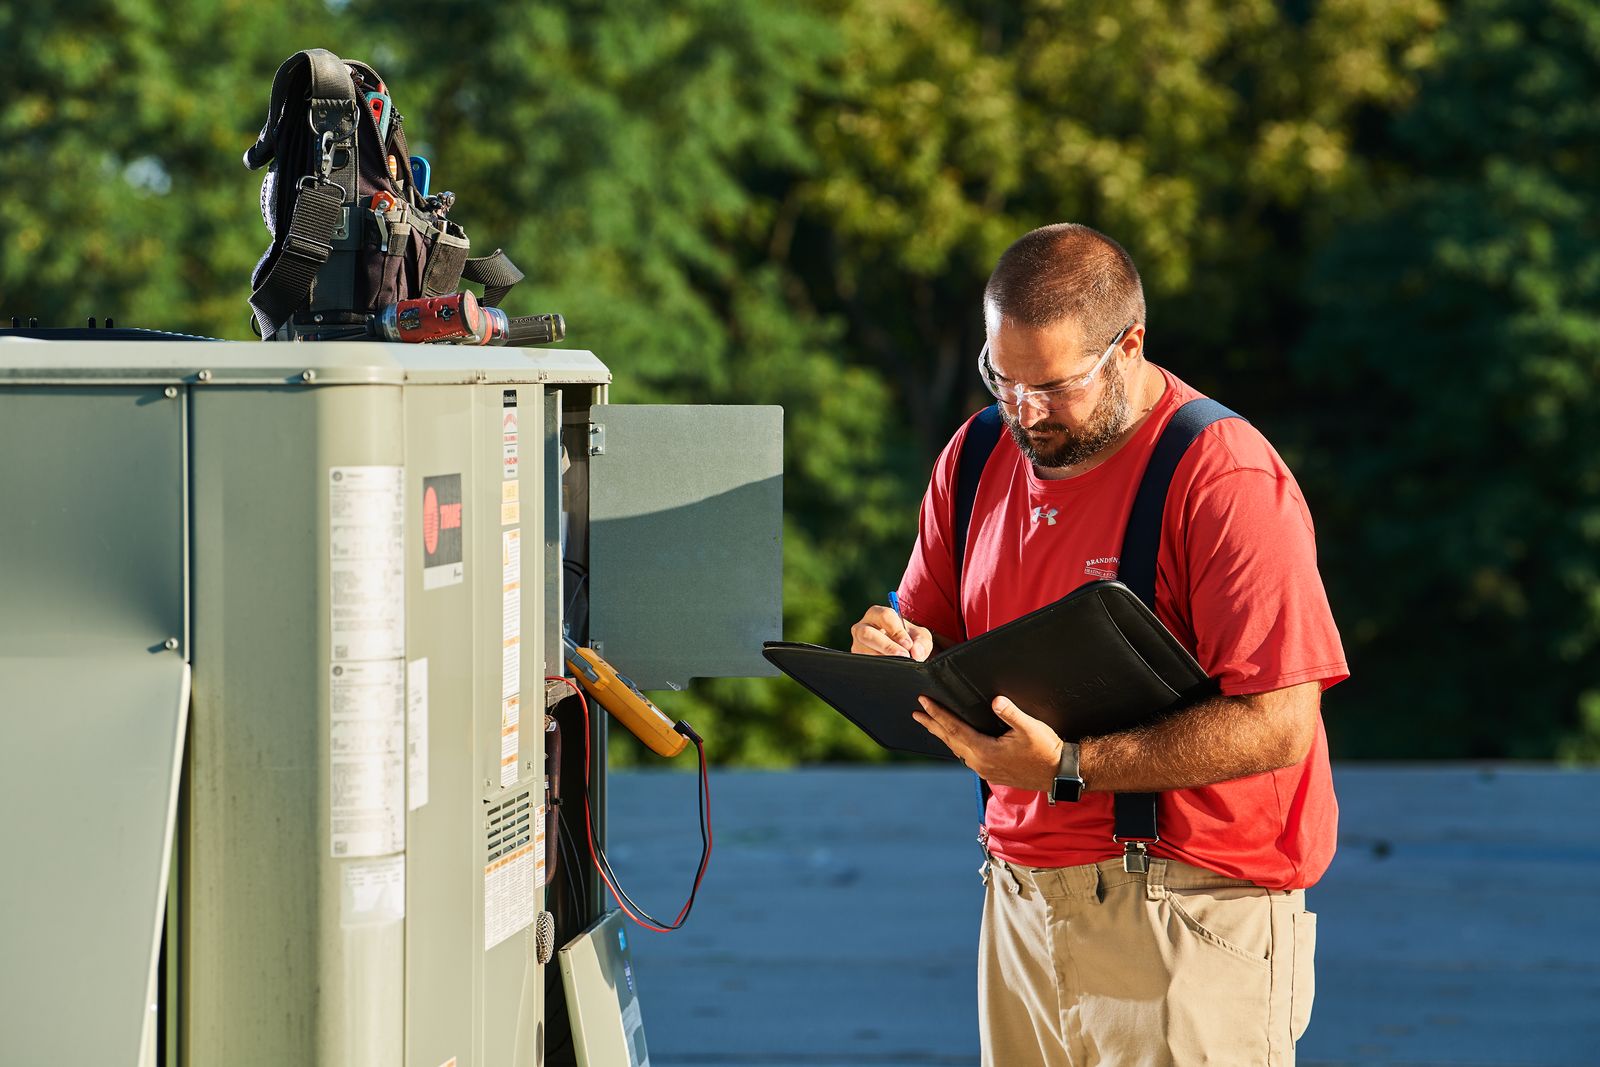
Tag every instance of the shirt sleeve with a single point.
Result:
(1260, 613)
(928, 589)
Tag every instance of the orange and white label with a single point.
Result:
(509, 901)
(510, 503)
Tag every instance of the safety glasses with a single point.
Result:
(1015, 394)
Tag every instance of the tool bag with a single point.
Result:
(351, 231)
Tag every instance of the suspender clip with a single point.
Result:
(1136, 857)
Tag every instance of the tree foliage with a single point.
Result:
(122, 125)
(1456, 352)
(1215, 140)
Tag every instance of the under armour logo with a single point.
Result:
(1048, 516)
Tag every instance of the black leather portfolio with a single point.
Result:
(1094, 662)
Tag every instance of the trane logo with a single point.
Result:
(442, 520)
(436, 517)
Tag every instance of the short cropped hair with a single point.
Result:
(1065, 271)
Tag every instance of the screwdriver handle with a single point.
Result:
(536, 330)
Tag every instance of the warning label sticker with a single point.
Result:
(510, 503)
(366, 537)
(508, 432)
(442, 531)
(366, 750)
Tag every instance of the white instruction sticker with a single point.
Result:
(509, 901)
(366, 538)
(510, 729)
(511, 557)
(366, 752)
(541, 865)
(373, 892)
(416, 734)
(511, 668)
(511, 613)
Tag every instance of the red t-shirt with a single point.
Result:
(1236, 582)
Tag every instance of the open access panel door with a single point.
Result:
(94, 702)
(685, 540)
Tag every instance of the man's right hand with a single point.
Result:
(882, 632)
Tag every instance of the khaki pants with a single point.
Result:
(1089, 966)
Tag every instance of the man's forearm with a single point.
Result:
(1215, 741)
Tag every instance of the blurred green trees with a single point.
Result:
(1455, 442)
(1369, 225)
(122, 126)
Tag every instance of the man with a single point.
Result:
(1083, 959)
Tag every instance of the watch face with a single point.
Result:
(1069, 789)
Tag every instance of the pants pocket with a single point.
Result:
(1213, 1002)
(1238, 921)
(1305, 973)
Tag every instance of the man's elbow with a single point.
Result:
(1298, 745)
(1301, 713)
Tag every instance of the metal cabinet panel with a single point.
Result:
(685, 540)
(92, 529)
(289, 956)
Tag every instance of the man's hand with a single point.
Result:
(1025, 756)
(882, 632)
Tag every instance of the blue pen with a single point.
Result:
(894, 606)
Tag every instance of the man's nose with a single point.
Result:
(1031, 411)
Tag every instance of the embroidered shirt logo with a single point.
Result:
(1048, 516)
(1104, 567)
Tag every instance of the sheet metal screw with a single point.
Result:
(170, 392)
(308, 376)
(171, 644)
(204, 376)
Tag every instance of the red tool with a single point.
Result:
(459, 319)
(455, 319)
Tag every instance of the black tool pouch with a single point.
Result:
(349, 236)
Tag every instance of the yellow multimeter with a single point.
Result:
(622, 699)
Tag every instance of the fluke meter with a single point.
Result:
(622, 698)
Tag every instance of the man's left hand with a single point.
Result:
(1025, 756)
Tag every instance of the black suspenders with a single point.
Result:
(1135, 823)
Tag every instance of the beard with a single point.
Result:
(1054, 445)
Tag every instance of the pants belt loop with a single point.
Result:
(994, 866)
(1011, 875)
(1155, 882)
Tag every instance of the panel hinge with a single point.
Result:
(597, 439)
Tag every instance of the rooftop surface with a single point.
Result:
(838, 924)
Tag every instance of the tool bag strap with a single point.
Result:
(497, 274)
(1135, 823)
(303, 250)
(319, 199)
(330, 85)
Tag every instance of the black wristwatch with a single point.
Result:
(1068, 784)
